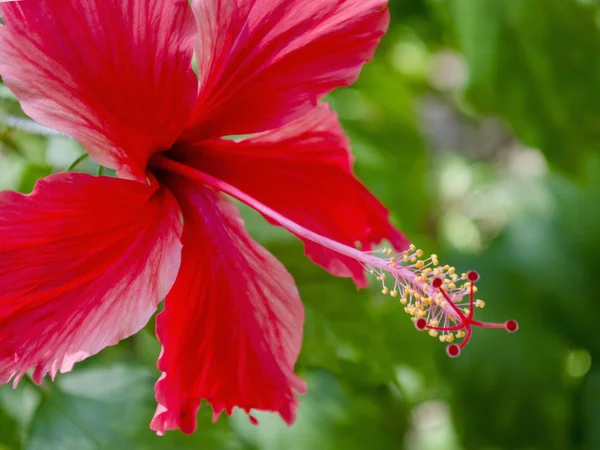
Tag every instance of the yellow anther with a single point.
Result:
(385, 290)
(436, 271)
(442, 338)
(452, 270)
(434, 323)
(433, 333)
(406, 310)
(466, 310)
(413, 259)
(446, 267)
(450, 338)
(412, 248)
(394, 293)
(393, 259)
(454, 277)
(403, 300)
(451, 285)
(444, 304)
(426, 271)
(475, 289)
(419, 279)
(406, 259)
(383, 276)
(480, 303)
(434, 259)
(420, 264)
(463, 276)
(419, 253)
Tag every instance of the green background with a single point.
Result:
(478, 125)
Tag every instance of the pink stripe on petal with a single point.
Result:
(114, 74)
(263, 63)
(304, 172)
(232, 325)
(84, 262)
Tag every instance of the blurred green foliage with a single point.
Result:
(478, 124)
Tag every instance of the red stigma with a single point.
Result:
(453, 350)
(421, 324)
(463, 318)
(511, 326)
(473, 276)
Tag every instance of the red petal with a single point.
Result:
(84, 262)
(114, 74)
(232, 326)
(303, 171)
(264, 63)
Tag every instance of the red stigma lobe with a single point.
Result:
(421, 324)
(453, 350)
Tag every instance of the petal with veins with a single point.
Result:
(114, 74)
(84, 262)
(232, 325)
(263, 63)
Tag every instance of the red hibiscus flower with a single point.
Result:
(85, 261)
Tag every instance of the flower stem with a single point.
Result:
(76, 162)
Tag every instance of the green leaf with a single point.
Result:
(16, 411)
(5, 93)
(592, 410)
(31, 174)
(111, 408)
(332, 415)
(535, 63)
(10, 438)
